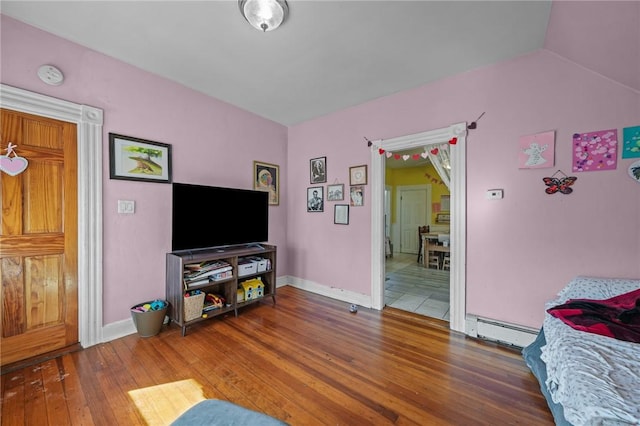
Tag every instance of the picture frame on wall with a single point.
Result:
(341, 214)
(266, 177)
(139, 159)
(356, 195)
(315, 199)
(335, 192)
(318, 170)
(358, 175)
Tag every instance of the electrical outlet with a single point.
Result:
(126, 206)
(494, 194)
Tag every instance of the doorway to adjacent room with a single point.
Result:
(457, 187)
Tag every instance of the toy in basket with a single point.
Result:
(193, 304)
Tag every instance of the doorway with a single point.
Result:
(457, 276)
(89, 158)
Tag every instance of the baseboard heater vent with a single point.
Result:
(499, 331)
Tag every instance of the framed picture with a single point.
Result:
(266, 177)
(341, 214)
(315, 199)
(139, 159)
(443, 218)
(335, 192)
(318, 169)
(356, 195)
(358, 175)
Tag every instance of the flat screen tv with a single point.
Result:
(215, 217)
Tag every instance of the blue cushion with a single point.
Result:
(223, 413)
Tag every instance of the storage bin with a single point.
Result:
(247, 267)
(148, 317)
(193, 305)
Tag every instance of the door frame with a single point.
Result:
(458, 190)
(89, 122)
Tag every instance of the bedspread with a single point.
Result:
(594, 377)
(617, 317)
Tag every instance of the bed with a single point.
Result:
(588, 374)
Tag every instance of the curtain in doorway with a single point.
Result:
(439, 156)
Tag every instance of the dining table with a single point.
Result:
(430, 243)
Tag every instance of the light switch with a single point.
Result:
(494, 194)
(126, 206)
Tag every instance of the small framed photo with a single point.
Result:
(356, 195)
(335, 192)
(443, 218)
(139, 159)
(315, 199)
(266, 177)
(318, 169)
(341, 214)
(358, 175)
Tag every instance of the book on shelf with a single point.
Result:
(208, 279)
(221, 275)
(208, 270)
(208, 274)
(191, 284)
(207, 264)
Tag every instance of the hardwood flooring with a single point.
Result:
(307, 361)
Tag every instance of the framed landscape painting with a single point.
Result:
(139, 159)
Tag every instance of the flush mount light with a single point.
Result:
(264, 15)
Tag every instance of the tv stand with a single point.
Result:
(227, 287)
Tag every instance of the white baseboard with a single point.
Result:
(349, 297)
(484, 328)
(499, 331)
(118, 329)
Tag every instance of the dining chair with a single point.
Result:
(421, 230)
(446, 262)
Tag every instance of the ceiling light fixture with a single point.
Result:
(265, 15)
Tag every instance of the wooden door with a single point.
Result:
(38, 238)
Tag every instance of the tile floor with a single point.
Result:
(412, 287)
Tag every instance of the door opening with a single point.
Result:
(458, 215)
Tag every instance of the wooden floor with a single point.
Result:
(306, 361)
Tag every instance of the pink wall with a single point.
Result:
(210, 142)
(520, 250)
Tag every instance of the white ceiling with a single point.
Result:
(329, 55)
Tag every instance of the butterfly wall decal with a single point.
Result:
(559, 184)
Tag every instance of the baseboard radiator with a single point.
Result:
(498, 331)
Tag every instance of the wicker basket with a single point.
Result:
(193, 306)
